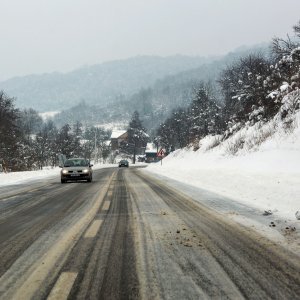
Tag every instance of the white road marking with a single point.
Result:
(93, 229)
(33, 276)
(106, 205)
(63, 286)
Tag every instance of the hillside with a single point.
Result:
(154, 102)
(96, 84)
(261, 172)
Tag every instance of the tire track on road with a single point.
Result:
(41, 260)
(258, 267)
(105, 262)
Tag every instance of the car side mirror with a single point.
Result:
(60, 166)
(91, 165)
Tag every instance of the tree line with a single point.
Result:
(252, 90)
(29, 143)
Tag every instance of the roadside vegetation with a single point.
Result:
(254, 90)
(29, 143)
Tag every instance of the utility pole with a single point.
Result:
(134, 152)
(95, 146)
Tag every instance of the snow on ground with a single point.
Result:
(27, 176)
(113, 126)
(48, 114)
(21, 177)
(257, 178)
(266, 177)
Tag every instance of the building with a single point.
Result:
(117, 137)
(151, 153)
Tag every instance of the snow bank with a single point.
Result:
(258, 166)
(21, 177)
(27, 176)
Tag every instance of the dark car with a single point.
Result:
(76, 169)
(123, 163)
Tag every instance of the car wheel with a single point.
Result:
(90, 179)
(63, 181)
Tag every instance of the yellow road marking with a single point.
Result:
(63, 286)
(106, 205)
(93, 229)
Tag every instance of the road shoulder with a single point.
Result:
(285, 232)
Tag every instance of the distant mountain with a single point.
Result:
(97, 84)
(155, 102)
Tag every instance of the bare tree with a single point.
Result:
(282, 47)
(297, 29)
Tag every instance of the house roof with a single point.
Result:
(117, 133)
(150, 148)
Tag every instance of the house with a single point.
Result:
(117, 137)
(151, 153)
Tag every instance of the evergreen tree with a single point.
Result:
(45, 145)
(180, 126)
(205, 113)
(64, 141)
(203, 116)
(77, 136)
(137, 136)
(165, 135)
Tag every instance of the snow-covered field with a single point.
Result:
(266, 177)
(48, 115)
(22, 177)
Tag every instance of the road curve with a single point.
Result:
(127, 235)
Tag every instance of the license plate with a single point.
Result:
(74, 175)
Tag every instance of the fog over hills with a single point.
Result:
(96, 84)
(155, 101)
(111, 91)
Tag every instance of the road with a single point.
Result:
(127, 235)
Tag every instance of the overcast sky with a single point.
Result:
(39, 36)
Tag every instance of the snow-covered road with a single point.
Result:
(232, 187)
(129, 233)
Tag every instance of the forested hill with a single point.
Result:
(154, 102)
(96, 84)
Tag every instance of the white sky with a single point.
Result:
(40, 36)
